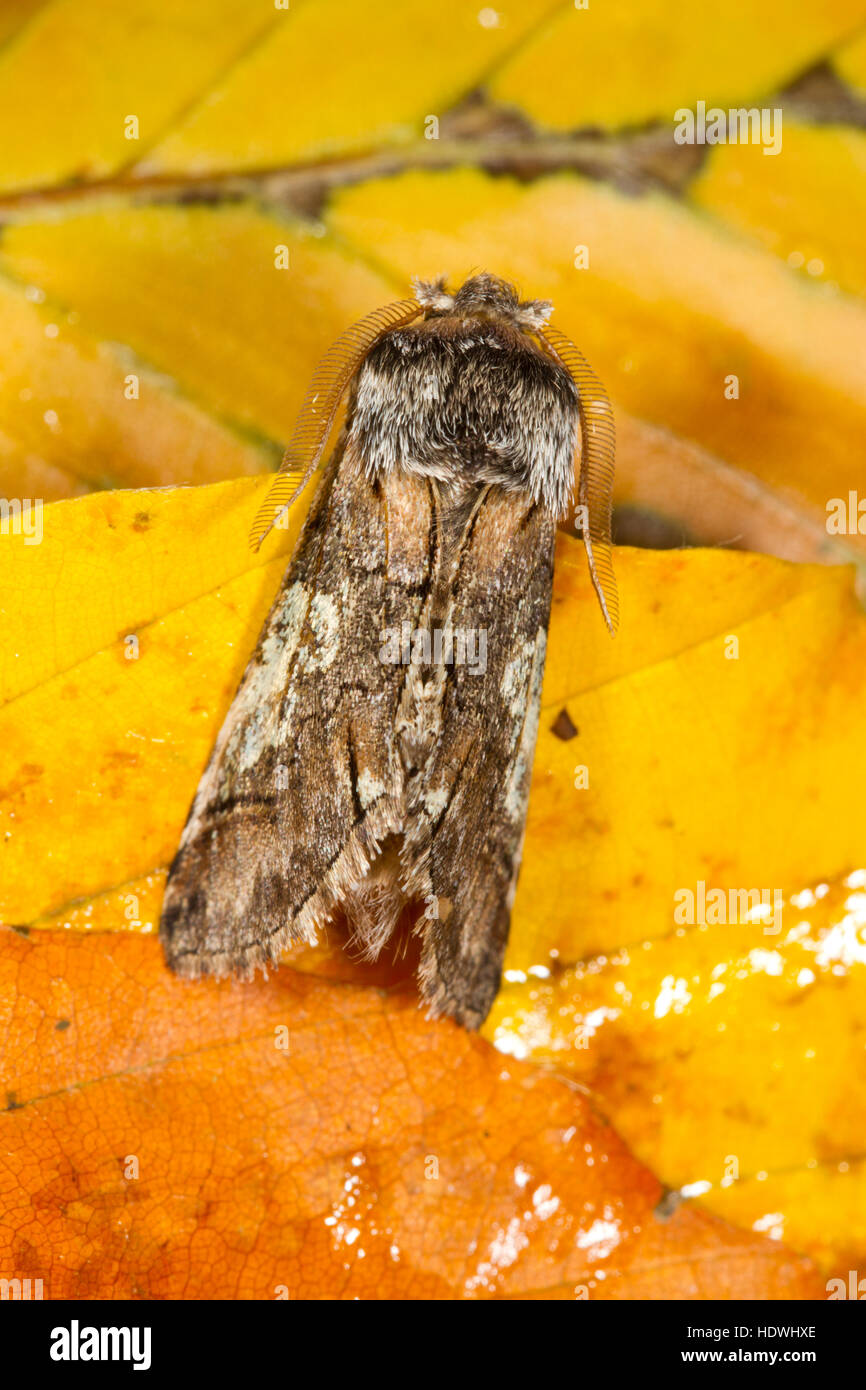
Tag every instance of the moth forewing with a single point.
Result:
(379, 749)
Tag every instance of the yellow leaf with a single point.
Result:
(15, 14)
(850, 63)
(342, 77)
(142, 611)
(807, 205)
(620, 63)
(730, 1056)
(204, 296)
(694, 498)
(722, 736)
(77, 414)
(81, 68)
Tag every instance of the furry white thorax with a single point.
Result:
(469, 398)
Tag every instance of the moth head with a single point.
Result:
(483, 296)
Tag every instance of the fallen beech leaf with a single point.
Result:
(25, 473)
(733, 57)
(14, 14)
(138, 679)
(160, 1143)
(100, 63)
(227, 85)
(76, 415)
(113, 564)
(239, 336)
(805, 208)
(731, 1057)
(304, 95)
(722, 739)
(850, 63)
(702, 501)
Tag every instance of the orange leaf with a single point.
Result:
(158, 1142)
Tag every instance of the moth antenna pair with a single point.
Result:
(333, 375)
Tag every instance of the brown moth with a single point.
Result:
(379, 749)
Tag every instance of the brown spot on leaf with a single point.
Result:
(563, 727)
(667, 1204)
(27, 774)
(117, 757)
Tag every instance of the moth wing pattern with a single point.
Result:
(370, 783)
(467, 808)
(301, 790)
(350, 776)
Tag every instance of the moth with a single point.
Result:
(379, 749)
